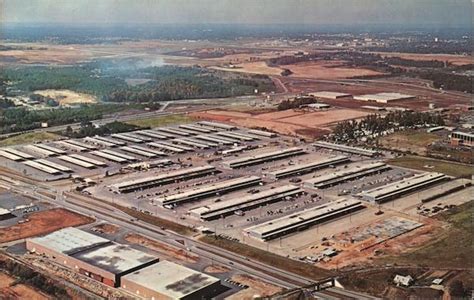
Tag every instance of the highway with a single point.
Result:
(101, 211)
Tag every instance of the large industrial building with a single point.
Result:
(229, 207)
(90, 255)
(329, 95)
(345, 148)
(342, 176)
(384, 97)
(209, 190)
(167, 280)
(302, 220)
(261, 158)
(398, 188)
(152, 181)
(307, 167)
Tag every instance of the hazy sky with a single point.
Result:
(408, 12)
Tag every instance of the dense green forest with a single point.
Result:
(20, 119)
(107, 81)
(88, 129)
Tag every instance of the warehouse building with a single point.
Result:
(50, 148)
(10, 156)
(384, 97)
(110, 140)
(230, 207)
(80, 144)
(218, 188)
(18, 153)
(345, 175)
(90, 255)
(398, 188)
(307, 167)
(40, 150)
(166, 147)
(462, 138)
(238, 136)
(99, 142)
(152, 134)
(167, 280)
(345, 148)
(127, 138)
(267, 134)
(196, 128)
(217, 125)
(261, 158)
(152, 181)
(43, 168)
(329, 95)
(303, 220)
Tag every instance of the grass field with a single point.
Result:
(162, 121)
(178, 228)
(28, 138)
(414, 141)
(421, 163)
(453, 248)
(277, 261)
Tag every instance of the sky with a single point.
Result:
(452, 13)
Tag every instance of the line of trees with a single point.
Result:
(378, 124)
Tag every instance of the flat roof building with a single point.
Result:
(384, 97)
(345, 148)
(303, 220)
(214, 189)
(167, 280)
(263, 157)
(90, 255)
(398, 188)
(329, 95)
(462, 138)
(307, 167)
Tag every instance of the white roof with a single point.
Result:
(115, 258)
(170, 279)
(69, 240)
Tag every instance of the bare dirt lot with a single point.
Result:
(43, 222)
(327, 70)
(257, 288)
(106, 228)
(9, 290)
(289, 122)
(173, 252)
(216, 269)
(65, 97)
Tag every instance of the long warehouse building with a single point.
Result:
(345, 148)
(261, 158)
(51, 148)
(303, 220)
(90, 255)
(217, 125)
(401, 187)
(230, 207)
(209, 190)
(152, 181)
(352, 173)
(36, 165)
(306, 168)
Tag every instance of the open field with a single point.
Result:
(327, 70)
(178, 228)
(11, 290)
(257, 67)
(453, 246)
(289, 122)
(433, 165)
(29, 138)
(458, 60)
(43, 222)
(65, 97)
(175, 253)
(161, 121)
(415, 141)
(106, 228)
(256, 288)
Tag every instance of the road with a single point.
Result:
(206, 103)
(101, 211)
